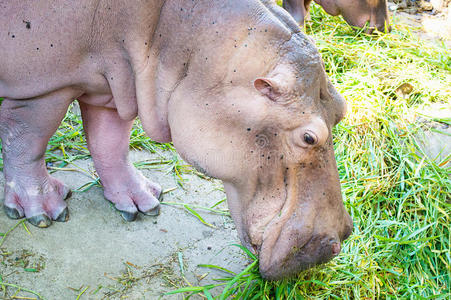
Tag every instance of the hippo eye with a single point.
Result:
(309, 138)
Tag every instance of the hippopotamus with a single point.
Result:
(357, 13)
(235, 85)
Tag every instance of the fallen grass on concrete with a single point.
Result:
(3, 284)
(398, 198)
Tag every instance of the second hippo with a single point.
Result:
(359, 13)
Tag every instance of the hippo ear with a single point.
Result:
(267, 87)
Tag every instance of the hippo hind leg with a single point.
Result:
(25, 129)
(108, 141)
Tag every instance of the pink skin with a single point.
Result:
(44, 70)
(29, 190)
(108, 141)
(32, 193)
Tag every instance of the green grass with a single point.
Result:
(399, 200)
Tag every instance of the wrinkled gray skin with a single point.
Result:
(234, 84)
(373, 13)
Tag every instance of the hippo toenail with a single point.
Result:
(129, 216)
(63, 216)
(13, 213)
(152, 212)
(68, 195)
(41, 221)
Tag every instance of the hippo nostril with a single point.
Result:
(335, 248)
(254, 249)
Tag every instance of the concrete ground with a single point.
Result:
(114, 259)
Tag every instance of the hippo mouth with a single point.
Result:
(301, 229)
(291, 244)
(296, 238)
(284, 230)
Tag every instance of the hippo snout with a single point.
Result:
(319, 250)
(373, 19)
(293, 254)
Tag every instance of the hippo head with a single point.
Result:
(360, 13)
(257, 113)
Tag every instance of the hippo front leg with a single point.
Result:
(25, 128)
(108, 141)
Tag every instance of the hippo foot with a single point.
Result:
(39, 203)
(132, 193)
